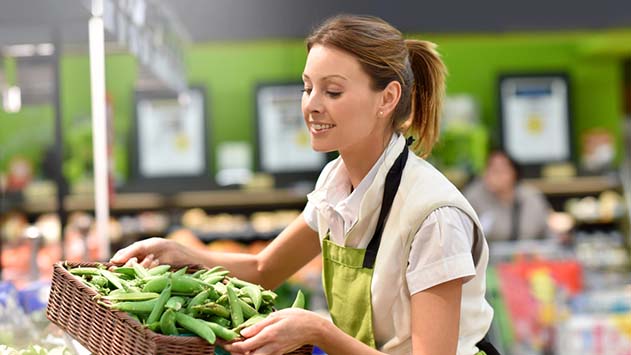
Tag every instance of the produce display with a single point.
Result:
(208, 303)
(33, 350)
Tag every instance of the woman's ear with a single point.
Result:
(390, 97)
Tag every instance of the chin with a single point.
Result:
(321, 148)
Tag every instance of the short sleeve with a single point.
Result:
(310, 213)
(441, 250)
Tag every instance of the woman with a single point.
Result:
(404, 259)
(508, 209)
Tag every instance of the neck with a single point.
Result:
(360, 159)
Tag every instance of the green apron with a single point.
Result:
(347, 272)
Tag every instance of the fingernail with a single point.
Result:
(246, 331)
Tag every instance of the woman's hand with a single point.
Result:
(280, 333)
(153, 251)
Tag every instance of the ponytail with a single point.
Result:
(427, 94)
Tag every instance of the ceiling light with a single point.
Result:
(12, 99)
(19, 50)
(45, 49)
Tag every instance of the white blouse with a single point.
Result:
(440, 251)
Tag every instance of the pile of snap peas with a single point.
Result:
(208, 303)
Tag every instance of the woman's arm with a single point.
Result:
(295, 246)
(288, 329)
(436, 319)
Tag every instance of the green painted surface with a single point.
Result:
(231, 70)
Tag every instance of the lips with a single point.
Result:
(321, 127)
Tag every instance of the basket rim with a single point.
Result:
(61, 266)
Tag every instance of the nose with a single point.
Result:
(311, 103)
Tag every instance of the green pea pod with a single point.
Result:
(196, 326)
(140, 270)
(299, 302)
(80, 271)
(196, 301)
(187, 284)
(118, 291)
(223, 333)
(99, 281)
(156, 284)
(181, 271)
(135, 296)
(212, 279)
(236, 312)
(241, 283)
(216, 273)
(217, 268)
(223, 300)
(158, 270)
(250, 322)
(180, 284)
(154, 326)
(134, 307)
(247, 310)
(221, 288)
(268, 296)
(213, 308)
(156, 312)
(199, 273)
(112, 278)
(167, 323)
(224, 322)
(124, 270)
(255, 295)
(175, 303)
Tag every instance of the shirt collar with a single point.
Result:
(335, 192)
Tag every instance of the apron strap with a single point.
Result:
(515, 222)
(393, 180)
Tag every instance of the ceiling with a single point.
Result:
(33, 21)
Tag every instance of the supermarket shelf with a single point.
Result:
(219, 199)
(238, 198)
(152, 201)
(578, 185)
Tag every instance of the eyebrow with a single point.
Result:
(328, 76)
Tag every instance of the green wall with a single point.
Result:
(230, 72)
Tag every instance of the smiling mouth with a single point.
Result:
(321, 127)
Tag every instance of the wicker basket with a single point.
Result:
(104, 331)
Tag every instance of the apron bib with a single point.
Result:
(347, 272)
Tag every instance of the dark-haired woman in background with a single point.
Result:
(507, 208)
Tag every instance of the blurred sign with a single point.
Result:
(535, 118)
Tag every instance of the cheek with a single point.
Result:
(357, 114)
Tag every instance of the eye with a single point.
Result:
(334, 94)
(307, 91)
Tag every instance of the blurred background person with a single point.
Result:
(508, 209)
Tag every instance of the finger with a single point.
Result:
(256, 328)
(125, 254)
(146, 262)
(248, 345)
(131, 261)
(266, 350)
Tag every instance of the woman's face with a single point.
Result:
(339, 106)
(500, 176)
